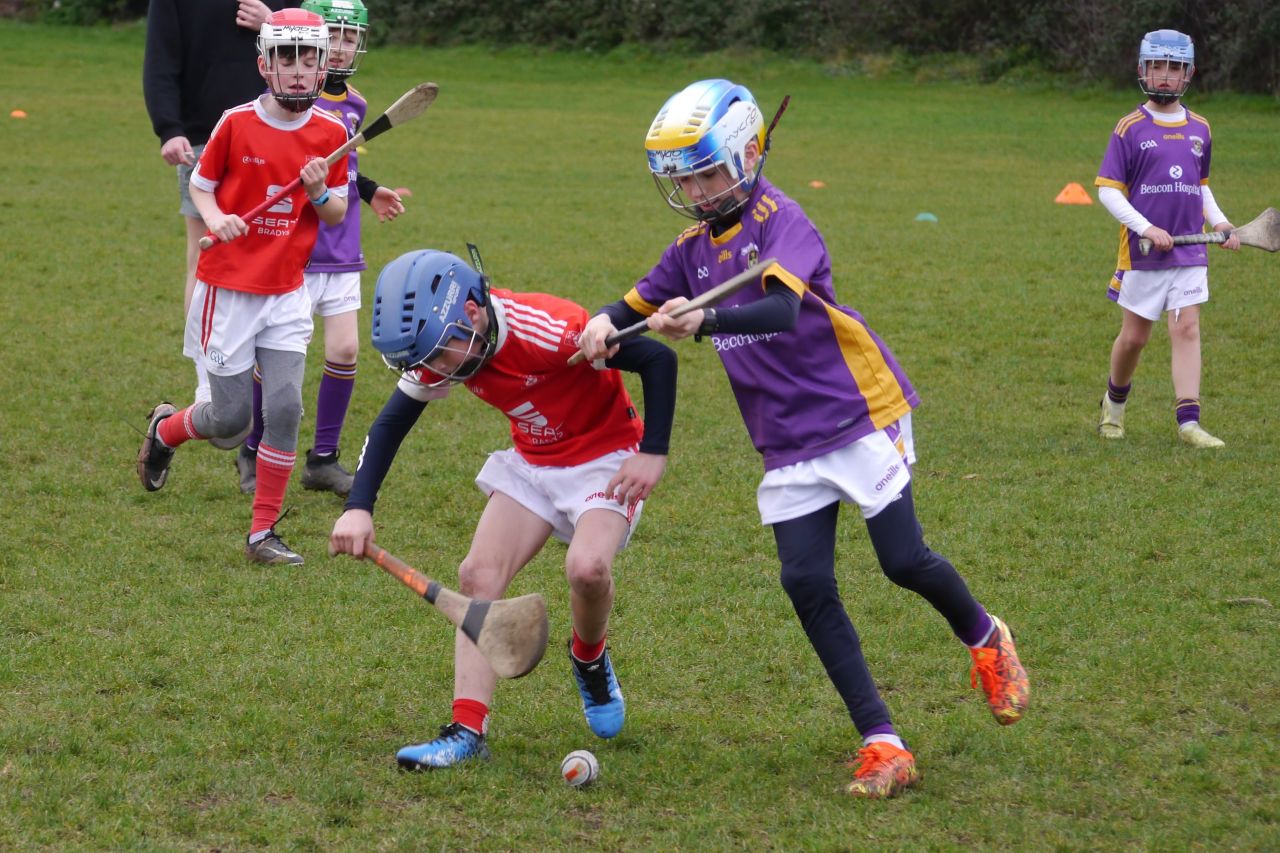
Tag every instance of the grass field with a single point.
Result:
(158, 692)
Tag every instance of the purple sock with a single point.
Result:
(1118, 393)
(979, 631)
(1188, 410)
(336, 385)
(254, 438)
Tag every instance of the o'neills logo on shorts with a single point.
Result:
(888, 478)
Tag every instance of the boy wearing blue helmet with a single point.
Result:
(581, 466)
(823, 398)
(1154, 179)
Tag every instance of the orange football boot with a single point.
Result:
(883, 771)
(1003, 679)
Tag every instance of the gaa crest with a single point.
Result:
(1197, 145)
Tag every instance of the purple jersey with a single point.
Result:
(804, 393)
(1160, 166)
(338, 246)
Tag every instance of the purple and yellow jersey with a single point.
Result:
(338, 246)
(826, 383)
(1160, 167)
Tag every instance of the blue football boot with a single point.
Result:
(601, 696)
(456, 744)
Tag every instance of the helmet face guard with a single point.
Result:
(348, 22)
(294, 46)
(699, 139)
(419, 317)
(1177, 51)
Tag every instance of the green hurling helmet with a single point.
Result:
(348, 22)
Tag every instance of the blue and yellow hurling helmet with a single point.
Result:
(1170, 46)
(706, 125)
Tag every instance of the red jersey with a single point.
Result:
(560, 415)
(249, 157)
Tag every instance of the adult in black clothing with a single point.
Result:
(201, 59)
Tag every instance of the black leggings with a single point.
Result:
(806, 547)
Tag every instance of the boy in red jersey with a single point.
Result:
(582, 465)
(333, 275)
(249, 301)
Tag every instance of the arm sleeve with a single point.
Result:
(366, 187)
(380, 447)
(1212, 213)
(1118, 206)
(656, 364)
(162, 70)
(777, 311)
(621, 314)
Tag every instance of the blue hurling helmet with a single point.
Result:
(705, 126)
(1170, 46)
(418, 313)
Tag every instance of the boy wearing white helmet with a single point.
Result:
(1154, 179)
(249, 301)
(333, 275)
(823, 399)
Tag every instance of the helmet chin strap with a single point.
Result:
(728, 212)
(295, 104)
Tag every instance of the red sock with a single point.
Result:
(274, 468)
(472, 714)
(179, 428)
(585, 651)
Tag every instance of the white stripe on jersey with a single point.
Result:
(537, 327)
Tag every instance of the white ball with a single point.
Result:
(579, 768)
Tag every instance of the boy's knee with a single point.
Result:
(1185, 330)
(588, 575)
(801, 585)
(342, 352)
(477, 579)
(227, 420)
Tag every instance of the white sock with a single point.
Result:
(889, 739)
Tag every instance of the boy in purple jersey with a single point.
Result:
(1154, 178)
(333, 276)
(822, 397)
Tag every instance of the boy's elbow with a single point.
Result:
(334, 212)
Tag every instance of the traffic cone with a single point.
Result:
(1073, 194)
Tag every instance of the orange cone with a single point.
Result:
(1073, 194)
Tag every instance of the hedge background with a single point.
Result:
(1093, 41)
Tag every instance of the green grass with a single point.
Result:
(158, 692)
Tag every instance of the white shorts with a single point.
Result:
(871, 472)
(226, 327)
(559, 496)
(1149, 293)
(333, 292)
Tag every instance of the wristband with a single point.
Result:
(323, 200)
(709, 323)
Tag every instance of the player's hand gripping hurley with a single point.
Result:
(714, 296)
(511, 633)
(409, 106)
(1262, 233)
